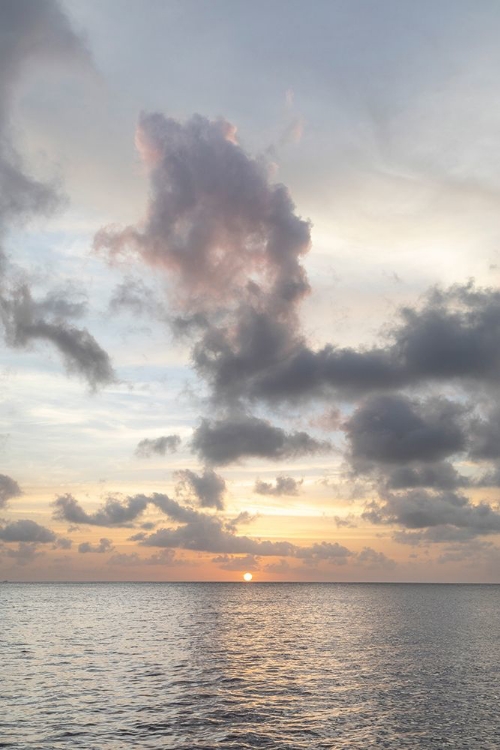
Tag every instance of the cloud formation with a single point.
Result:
(283, 486)
(31, 31)
(394, 429)
(450, 511)
(105, 545)
(207, 488)
(9, 488)
(26, 321)
(223, 441)
(26, 530)
(161, 445)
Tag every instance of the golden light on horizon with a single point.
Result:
(247, 577)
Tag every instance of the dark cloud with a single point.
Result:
(162, 445)
(26, 321)
(442, 476)
(119, 513)
(420, 509)
(393, 429)
(113, 513)
(9, 488)
(223, 441)
(485, 437)
(26, 531)
(105, 545)
(454, 336)
(208, 488)
(283, 486)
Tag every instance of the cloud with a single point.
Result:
(346, 522)
(160, 446)
(208, 488)
(196, 530)
(284, 486)
(485, 437)
(331, 552)
(105, 545)
(117, 513)
(223, 441)
(29, 31)
(26, 530)
(25, 553)
(165, 557)
(442, 476)
(242, 563)
(230, 241)
(25, 321)
(453, 336)
(394, 429)
(113, 513)
(9, 488)
(213, 218)
(420, 509)
(371, 558)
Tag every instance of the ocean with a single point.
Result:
(223, 665)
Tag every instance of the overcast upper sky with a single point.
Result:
(249, 290)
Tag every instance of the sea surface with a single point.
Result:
(288, 666)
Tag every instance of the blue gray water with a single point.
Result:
(288, 666)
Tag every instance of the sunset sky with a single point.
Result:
(250, 302)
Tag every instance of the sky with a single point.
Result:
(249, 290)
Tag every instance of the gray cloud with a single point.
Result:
(419, 509)
(223, 441)
(113, 513)
(485, 437)
(208, 488)
(117, 513)
(25, 321)
(390, 429)
(442, 476)
(452, 337)
(26, 531)
(283, 486)
(162, 445)
(204, 532)
(9, 488)
(331, 552)
(25, 553)
(214, 218)
(242, 563)
(165, 557)
(372, 558)
(28, 31)
(105, 545)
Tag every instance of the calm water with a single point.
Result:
(288, 666)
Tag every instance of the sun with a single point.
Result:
(247, 577)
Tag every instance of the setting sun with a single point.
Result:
(247, 577)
